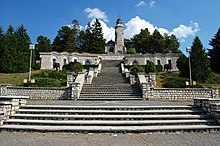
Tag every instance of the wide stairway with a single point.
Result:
(96, 118)
(110, 85)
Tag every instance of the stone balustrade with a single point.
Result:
(210, 105)
(76, 87)
(9, 105)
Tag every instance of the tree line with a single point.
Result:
(14, 47)
(202, 62)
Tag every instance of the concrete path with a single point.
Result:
(53, 139)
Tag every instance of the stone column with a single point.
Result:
(3, 89)
(215, 92)
(153, 79)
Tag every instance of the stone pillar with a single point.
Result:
(215, 92)
(71, 76)
(152, 79)
(73, 91)
(3, 89)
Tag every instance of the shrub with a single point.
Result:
(51, 74)
(213, 78)
(150, 67)
(175, 82)
(73, 67)
(46, 82)
(159, 68)
(131, 51)
(135, 69)
(90, 66)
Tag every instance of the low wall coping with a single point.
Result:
(14, 97)
(5, 103)
(182, 88)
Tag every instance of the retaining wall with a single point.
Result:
(40, 93)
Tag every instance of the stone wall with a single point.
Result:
(210, 105)
(149, 92)
(40, 93)
(182, 93)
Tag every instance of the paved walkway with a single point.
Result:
(113, 103)
(68, 139)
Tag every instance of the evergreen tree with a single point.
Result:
(23, 52)
(171, 44)
(199, 61)
(66, 39)
(98, 38)
(214, 53)
(1, 42)
(142, 41)
(158, 42)
(183, 66)
(93, 39)
(43, 45)
(9, 52)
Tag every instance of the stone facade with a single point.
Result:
(49, 58)
(157, 59)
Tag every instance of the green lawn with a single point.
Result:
(15, 79)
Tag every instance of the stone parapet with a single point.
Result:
(9, 105)
(210, 105)
(40, 93)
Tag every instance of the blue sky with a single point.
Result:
(184, 18)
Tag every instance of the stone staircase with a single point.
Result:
(110, 85)
(126, 118)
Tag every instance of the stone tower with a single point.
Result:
(119, 38)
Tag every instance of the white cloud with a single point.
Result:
(96, 13)
(134, 26)
(152, 3)
(109, 32)
(140, 4)
(183, 31)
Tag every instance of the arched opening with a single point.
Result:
(111, 49)
(135, 62)
(88, 62)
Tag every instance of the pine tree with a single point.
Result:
(182, 64)
(214, 53)
(66, 39)
(1, 42)
(98, 38)
(9, 52)
(199, 61)
(23, 52)
(93, 39)
(43, 45)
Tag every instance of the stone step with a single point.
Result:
(108, 123)
(128, 108)
(117, 112)
(110, 99)
(166, 128)
(110, 94)
(107, 117)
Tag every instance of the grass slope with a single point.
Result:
(15, 79)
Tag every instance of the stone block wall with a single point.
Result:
(181, 93)
(210, 105)
(40, 93)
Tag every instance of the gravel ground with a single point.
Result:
(67, 139)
